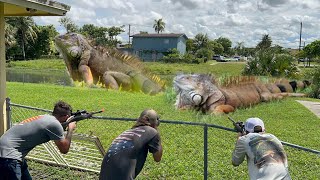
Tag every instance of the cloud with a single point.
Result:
(239, 20)
(189, 4)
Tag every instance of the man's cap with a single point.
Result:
(253, 122)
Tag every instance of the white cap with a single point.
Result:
(253, 122)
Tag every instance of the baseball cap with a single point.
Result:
(253, 122)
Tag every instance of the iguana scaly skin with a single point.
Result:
(109, 66)
(200, 92)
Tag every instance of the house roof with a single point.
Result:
(171, 35)
(34, 8)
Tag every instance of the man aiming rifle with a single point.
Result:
(265, 154)
(20, 139)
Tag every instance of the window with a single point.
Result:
(166, 41)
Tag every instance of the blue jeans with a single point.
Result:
(12, 169)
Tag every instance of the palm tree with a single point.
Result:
(265, 42)
(9, 36)
(67, 23)
(26, 30)
(159, 25)
(201, 41)
(239, 48)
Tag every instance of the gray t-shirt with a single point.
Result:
(23, 137)
(128, 152)
(266, 157)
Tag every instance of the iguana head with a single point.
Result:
(69, 46)
(193, 89)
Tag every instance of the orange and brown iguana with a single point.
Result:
(109, 66)
(200, 92)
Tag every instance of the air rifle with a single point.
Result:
(238, 126)
(78, 116)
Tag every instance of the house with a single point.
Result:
(151, 47)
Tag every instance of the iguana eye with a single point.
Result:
(75, 52)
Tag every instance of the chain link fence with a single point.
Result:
(193, 152)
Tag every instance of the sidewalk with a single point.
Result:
(312, 106)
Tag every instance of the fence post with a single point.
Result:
(205, 152)
(8, 109)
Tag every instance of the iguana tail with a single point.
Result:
(146, 85)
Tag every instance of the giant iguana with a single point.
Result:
(115, 69)
(200, 92)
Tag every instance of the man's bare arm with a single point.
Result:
(158, 155)
(64, 144)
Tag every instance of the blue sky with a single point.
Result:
(239, 20)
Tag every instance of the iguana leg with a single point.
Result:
(221, 109)
(115, 80)
(85, 71)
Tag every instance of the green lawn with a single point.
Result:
(183, 145)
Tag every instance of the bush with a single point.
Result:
(174, 56)
(314, 75)
(267, 62)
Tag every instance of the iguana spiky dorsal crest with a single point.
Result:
(132, 61)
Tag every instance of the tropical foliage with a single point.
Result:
(68, 24)
(271, 61)
(312, 50)
(159, 25)
(265, 42)
(102, 36)
(267, 62)
(25, 30)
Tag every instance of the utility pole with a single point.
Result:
(129, 33)
(300, 36)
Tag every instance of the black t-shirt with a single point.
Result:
(128, 152)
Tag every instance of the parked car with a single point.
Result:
(237, 57)
(218, 58)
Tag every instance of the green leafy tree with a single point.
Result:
(204, 53)
(201, 41)
(226, 43)
(216, 47)
(265, 42)
(190, 47)
(312, 49)
(91, 31)
(267, 62)
(102, 36)
(26, 30)
(43, 44)
(314, 76)
(68, 24)
(159, 25)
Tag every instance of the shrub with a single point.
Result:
(267, 62)
(174, 56)
(314, 75)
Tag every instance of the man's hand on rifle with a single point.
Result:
(72, 126)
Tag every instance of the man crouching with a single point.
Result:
(128, 152)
